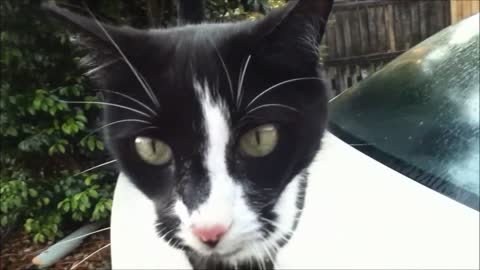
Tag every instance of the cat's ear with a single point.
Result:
(290, 36)
(104, 39)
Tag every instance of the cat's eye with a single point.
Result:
(153, 151)
(259, 141)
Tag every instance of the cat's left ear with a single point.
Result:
(290, 36)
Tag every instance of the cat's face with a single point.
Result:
(226, 119)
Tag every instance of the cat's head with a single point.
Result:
(215, 123)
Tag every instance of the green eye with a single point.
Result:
(152, 151)
(259, 141)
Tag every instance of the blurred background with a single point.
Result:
(46, 145)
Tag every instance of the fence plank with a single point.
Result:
(363, 26)
(372, 30)
(453, 11)
(414, 8)
(353, 23)
(339, 34)
(389, 21)
(467, 8)
(407, 25)
(475, 7)
(347, 34)
(397, 26)
(382, 29)
(331, 41)
(423, 23)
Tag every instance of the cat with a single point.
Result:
(214, 127)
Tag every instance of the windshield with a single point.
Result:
(420, 114)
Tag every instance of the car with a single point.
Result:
(396, 182)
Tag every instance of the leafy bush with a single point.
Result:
(44, 142)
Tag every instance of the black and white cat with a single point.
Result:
(214, 127)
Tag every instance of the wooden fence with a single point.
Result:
(364, 35)
(461, 9)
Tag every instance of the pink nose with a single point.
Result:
(210, 235)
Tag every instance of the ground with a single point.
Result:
(18, 251)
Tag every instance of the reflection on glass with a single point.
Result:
(420, 114)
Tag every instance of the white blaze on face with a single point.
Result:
(217, 209)
(225, 204)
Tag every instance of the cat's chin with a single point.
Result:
(248, 252)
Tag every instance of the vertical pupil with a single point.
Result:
(257, 136)
(154, 146)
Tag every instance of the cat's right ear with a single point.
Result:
(100, 37)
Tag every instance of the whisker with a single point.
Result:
(93, 70)
(96, 167)
(114, 123)
(264, 244)
(130, 98)
(105, 103)
(280, 84)
(148, 90)
(271, 105)
(224, 68)
(240, 84)
(283, 235)
(93, 253)
(143, 129)
(260, 259)
(278, 226)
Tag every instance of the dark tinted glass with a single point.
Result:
(420, 114)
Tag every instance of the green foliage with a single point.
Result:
(43, 143)
(234, 10)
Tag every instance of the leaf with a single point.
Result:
(18, 202)
(74, 204)
(33, 193)
(66, 128)
(108, 204)
(37, 103)
(52, 150)
(66, 207)
(100, 145)
(4, 221)
(81, 117)
(46, 200)
(91, 143)
(11, 131)
(88, 180)
(61, 148)
(93, 193)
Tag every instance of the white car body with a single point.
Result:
(358, 214)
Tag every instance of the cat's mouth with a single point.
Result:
(239, 249)
(226, 254)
